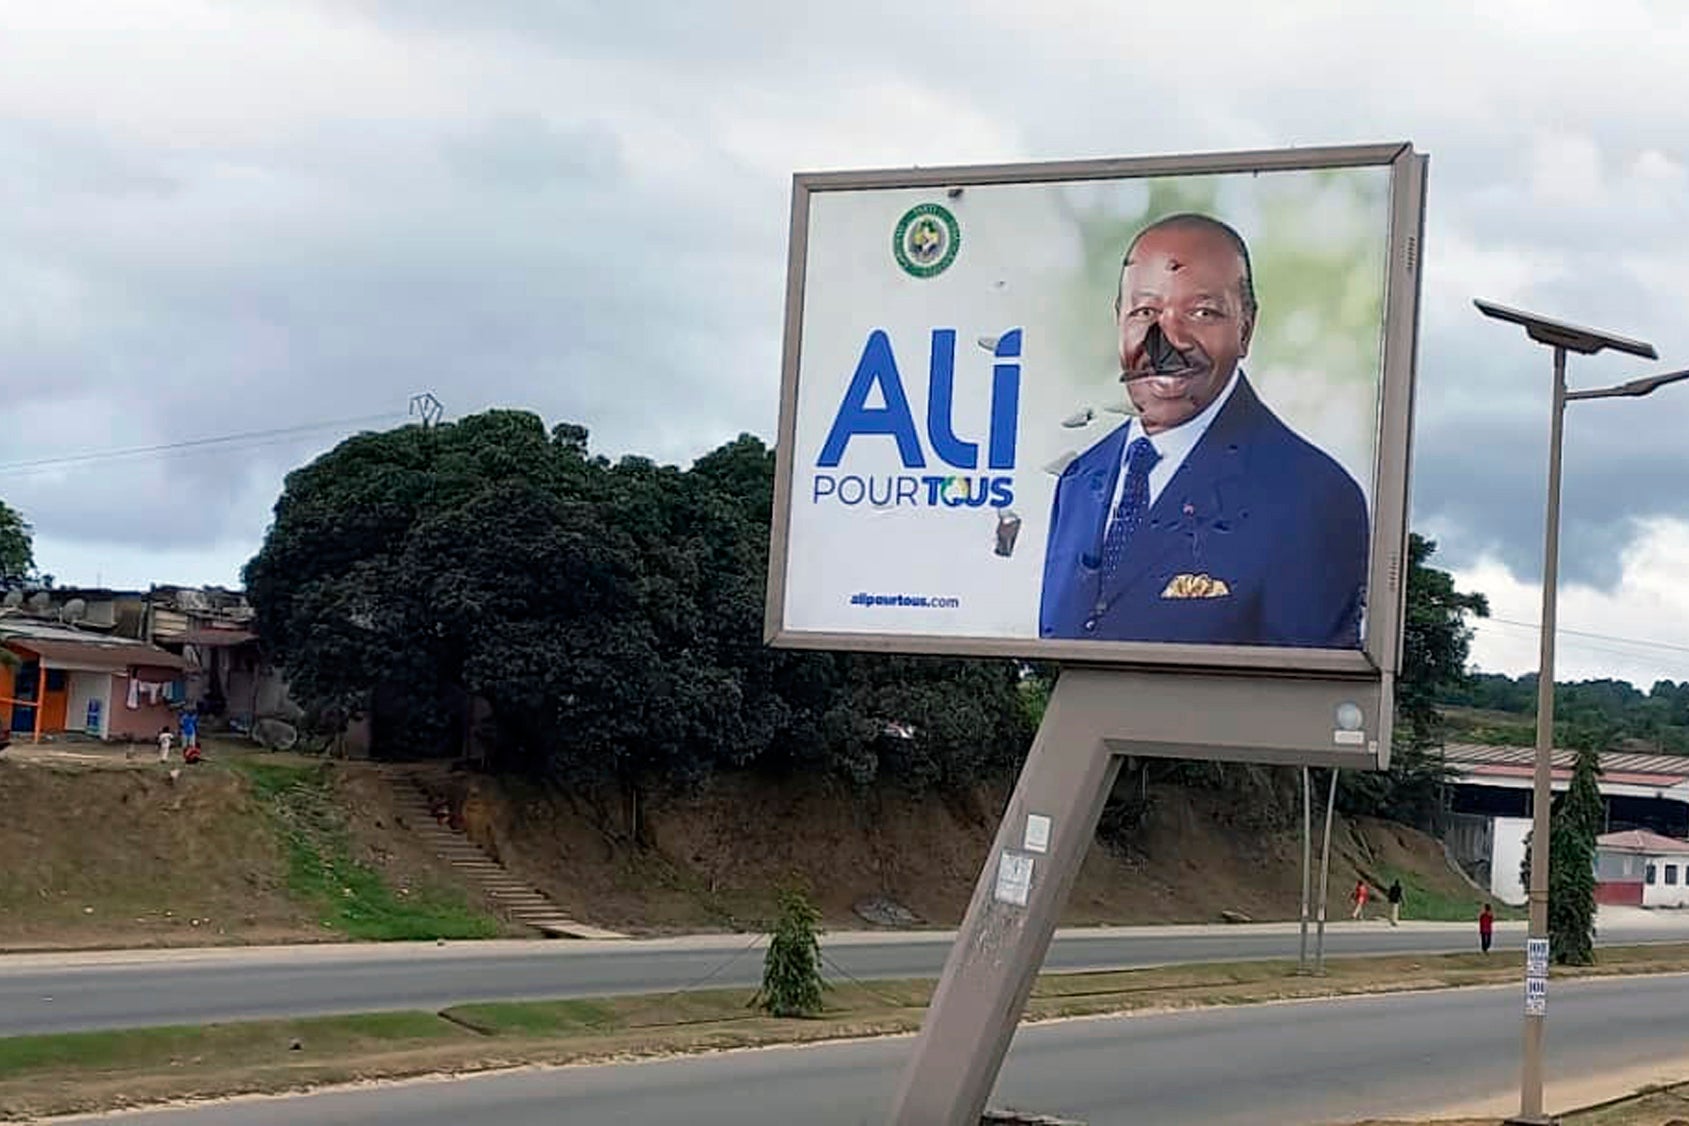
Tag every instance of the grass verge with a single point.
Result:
(353, 899)
(41, 1075)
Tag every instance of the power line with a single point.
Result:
(1536, 628)
(1590, 649)
(251, 437)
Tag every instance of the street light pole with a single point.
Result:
(1542, 790)
(1563, 338)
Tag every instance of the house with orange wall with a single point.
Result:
(62, 679)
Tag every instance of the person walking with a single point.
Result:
(1394, 895)
(1358, 898)
(1486, 928)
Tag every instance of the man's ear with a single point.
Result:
(1246, 334)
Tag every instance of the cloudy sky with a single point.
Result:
(280, 220)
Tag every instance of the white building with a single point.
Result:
(1641, 868)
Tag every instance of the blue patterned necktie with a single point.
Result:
(1141, 457)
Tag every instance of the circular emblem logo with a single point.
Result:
(926, 240)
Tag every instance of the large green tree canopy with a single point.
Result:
(609, 614)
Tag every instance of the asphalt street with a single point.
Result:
(1282, 1064)
(50, 994)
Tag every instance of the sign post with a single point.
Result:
(1105, 413)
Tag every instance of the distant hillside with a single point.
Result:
(1492, 708)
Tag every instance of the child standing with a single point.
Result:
(164, 740)
(1486, 928)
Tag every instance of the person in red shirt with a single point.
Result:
(1358, 898)
(1486, 928)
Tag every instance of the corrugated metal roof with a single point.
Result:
(98, 652)
(1612, 762)
(1644, 842)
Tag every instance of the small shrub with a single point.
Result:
(791, 971)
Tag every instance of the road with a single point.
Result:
(1342, 1060)
(41, 994)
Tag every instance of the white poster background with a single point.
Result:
(1028, 259)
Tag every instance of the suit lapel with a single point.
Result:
(1199, 496)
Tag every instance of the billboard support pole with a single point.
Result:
(1016, 904)
(1307, 868)
(1325, 877)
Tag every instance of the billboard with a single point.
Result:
(1143, 411)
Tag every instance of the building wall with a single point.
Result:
(1469, 837)
(140, 724)
(253, 689)
(1506, 854)
(1663, 894)
(1619, 878)
(56, 703)
(86, 687)
(6, 692)
(1620, 893)
(1618, 866)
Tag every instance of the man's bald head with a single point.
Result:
(1197, 223)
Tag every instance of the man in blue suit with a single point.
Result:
(1203, 519)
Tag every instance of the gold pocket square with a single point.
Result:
(1195, 586)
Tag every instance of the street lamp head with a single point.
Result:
(1651, 383)
(1636, 388)
(1559, 334)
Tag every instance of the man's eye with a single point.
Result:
(1206, 314)
(1142, 312)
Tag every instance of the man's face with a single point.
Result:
(1182, 323)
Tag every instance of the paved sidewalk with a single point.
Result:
(314, 953)
(308, 953)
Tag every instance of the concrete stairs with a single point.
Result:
(515, 898)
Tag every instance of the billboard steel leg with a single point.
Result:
(1016, 904)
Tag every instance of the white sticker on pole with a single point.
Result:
(1536, 957)
(1014, 878)
(1536, 996)
(1037, 833)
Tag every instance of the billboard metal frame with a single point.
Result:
(1380, 652)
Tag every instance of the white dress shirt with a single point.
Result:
(1173, 444)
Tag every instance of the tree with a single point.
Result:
(1578, 818)
(1436, 642)
(791, 971)
(1576, 821)
(608, 615)
(17, 547)
(1571, 893)
(1583, 801)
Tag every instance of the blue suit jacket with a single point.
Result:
(1280, 523)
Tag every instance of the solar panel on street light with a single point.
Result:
(1560, 334)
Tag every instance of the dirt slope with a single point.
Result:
(119, 855)
(713, 859)
(123, 857)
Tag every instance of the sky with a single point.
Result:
(276, 222)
